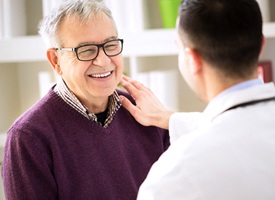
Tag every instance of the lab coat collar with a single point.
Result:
(255, 93)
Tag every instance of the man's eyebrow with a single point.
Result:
(106, 40)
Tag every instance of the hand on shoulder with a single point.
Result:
(148, 111)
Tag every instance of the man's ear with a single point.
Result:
(52, 56)
(195, 60)
(262, 46)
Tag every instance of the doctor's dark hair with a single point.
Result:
(226, 33)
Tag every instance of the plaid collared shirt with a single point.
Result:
(114, 103)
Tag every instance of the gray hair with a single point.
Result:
(49, 26)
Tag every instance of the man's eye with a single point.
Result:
(87, 51)
(111, 46)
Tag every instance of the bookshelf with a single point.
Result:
(149, 50)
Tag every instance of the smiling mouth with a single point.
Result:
(101, 75)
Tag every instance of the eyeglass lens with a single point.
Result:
(90, 52)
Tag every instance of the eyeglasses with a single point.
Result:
(89, 52)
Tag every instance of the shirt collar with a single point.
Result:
(241, 86)
(69, 97)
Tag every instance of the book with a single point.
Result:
(128, 15)
(13, 18)
(1, 20)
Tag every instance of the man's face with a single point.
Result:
(90, 81)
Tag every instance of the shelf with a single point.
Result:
(22, 49)
(147, 43)
(154, 42)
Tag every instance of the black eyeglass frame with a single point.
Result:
(98, 48)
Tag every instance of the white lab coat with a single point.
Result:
(219, 154)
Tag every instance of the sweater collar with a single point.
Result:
(69, 97)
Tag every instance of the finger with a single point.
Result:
(129, 86)
(140, 88)
(135, 83)
(134, 110)
(126, 78)
(138, 85)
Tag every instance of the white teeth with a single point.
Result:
(101, 75)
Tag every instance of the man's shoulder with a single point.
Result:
(39, 111)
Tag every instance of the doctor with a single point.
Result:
(227, 151)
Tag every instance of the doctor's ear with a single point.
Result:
(195, 59)
(262, 45)
(53, 58)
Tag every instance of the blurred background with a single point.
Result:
(150, 53)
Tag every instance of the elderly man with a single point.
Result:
(78, 142)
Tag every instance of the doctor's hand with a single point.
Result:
(148, 111)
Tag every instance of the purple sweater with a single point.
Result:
(54, 152)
